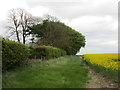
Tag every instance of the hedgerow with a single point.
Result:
(13, 54)
(46, 52)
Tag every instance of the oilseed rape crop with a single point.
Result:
(109, 61)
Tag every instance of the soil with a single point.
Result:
(99, 81)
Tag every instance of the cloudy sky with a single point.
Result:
(97, 20)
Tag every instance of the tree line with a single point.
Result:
(48, 31)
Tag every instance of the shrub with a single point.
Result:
(13, 53)
(33, 52)
(46, 51)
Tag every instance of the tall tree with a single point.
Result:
(22, 20)
(59, 35)
(27, 20)
(15, 20)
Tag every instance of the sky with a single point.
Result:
(97, 20)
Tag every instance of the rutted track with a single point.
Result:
(99, 81)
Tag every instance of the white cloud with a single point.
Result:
(39, 10)
(96, 19)
(101, 33)
(94, 23)
(71, 9)
(6, 5)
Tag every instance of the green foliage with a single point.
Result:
(46, 51)
(13, 53)
(63, 72)
(34, 53)
(58, 35)
(77, 40)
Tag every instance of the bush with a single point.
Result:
(33, 53)
(13, 54)
(46, 51)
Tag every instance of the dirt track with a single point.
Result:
(98, 81)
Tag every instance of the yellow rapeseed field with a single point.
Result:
(106, 60)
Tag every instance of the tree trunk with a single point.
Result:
(17, 35)
(23, 37)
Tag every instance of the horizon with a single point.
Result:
(96, 53)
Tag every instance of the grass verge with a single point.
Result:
(109, 73)
(63, 72)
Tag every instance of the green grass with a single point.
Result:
(63, 72)
(109, 73)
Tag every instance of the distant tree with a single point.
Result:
(57, 34)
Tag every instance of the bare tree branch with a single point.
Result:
(21, 20)
(14, 18)
(51, 18)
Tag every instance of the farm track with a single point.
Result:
(98, 81)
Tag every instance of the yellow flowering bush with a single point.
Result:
(110, 61)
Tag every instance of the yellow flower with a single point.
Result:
(105, 60)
